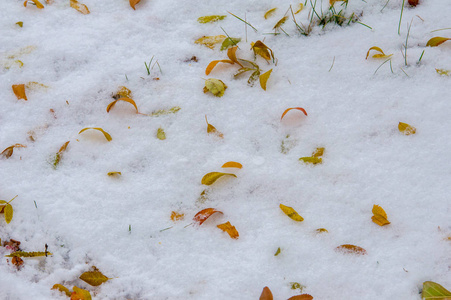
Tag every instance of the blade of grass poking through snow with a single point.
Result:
(382, 65)
(400, 16)
(255, 29)
(440, 29)
(405, 46)
(433, 290)
(106, 134)
(333, 62)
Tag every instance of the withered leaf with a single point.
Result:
(175, 216)
(231, 230)
(17, 261)
(133, 3)
(20, 23)
(210, 41)
(8, 210)
(312, 160)
(229, 42)
(231, 53)
(436, 41)
(123, 92)
(379, 216)
(128, 100)
(94, 278)
(79, 7)
(270, 12)
(266, 294)
(232, 164)
(106, 134)
(114, 173)
(211, 177)
(210, 19)
(163, 112)
(318, 152)
(277, 252)
(301, 7)
(62, 289)
(215, 86)
(35, 2)
(59, 154)
(443, 72)
(161, 135)
(413, 2)
(264, 78)
(261, 49)
(351, 249)
(381, 53)
(406, 128)
(204, 214)
(280, 23)
(213, 64)
(288, 109)
(254, 76)
(291, 213)
(19, 91)
(321, 230)
(10, 150)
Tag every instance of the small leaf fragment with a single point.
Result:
(270, 12)
(406, 128)
(19, 91)
(59, 154)
(94, 278)
(266, 294)
(62, 289)
(443, 72)
(215, 86)
(213, 64)
(161, 135)
(204, 214)
(435, 41)
(312, 160)
(133, 3)
(318, 152)
(35, 2)
(123, 92)
(211, 177)
(280, 23)
(229, 42)
(210, 19)
(8, 210)
(212, 129)
(28, 254)
(210, 41)
(351, 249)
(413, 2)
(288, 109)
(106, 134)
(321, 230)
(79, 7)
(162, 112)
(231, 230)
(433, 290)
(264, 78)
(20, 23)
(80, 294)
(301, 297)
(17, 261)
(128, 100)
(291, 213)
(381, 53)
(175, 216)
(232, 164)
(277, 252)
(379, 216)
(114, 173)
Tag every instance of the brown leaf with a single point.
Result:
(133, 3)
(351, 249)
(413, 2)
(17, 261)
(12, 245)
(19, 91)
(79, 6)
(266, 294)
(231, 230)
(301, 297)
(9, 151)
(212, 129)
(204, 214)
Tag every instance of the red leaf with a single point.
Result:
(204, 214)
(288, 109)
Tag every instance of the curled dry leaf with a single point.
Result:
(311, 160)
(210, 19)
(80, 294)
(301, 297)
(211, 177)
(321, 230)
(11, 245)
(79, 7)
(270, 12)
(443, 72)
(277, 252)
(106, 134)
(212, 129)
(215, 86)
(94, 278)
(351, 249)
(231, 230)
(232, 164)
(261, 49)
(17, 261)
(210, 41)
(406, 128)
(59, 154)
(288, 109)
(128, 100)
(62, 289)
(301, 7)
(19, 91)
(204, 214)
(10, 150)
(264, 78)
(413, 2)
(381, 53)
(175, 216)
(379, 216)
(266, 294)
(435, 41)
(291, 213)
(133, 3)
(433, 290)
(231, 53)
(35, 2)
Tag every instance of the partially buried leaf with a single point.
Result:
(35, 2)
(133, 3)
(62, 289)
(8, 213)
(115, 173)
(413, 2)
(28, 254)
(17, 261)
(435, 41)
(123, 92)
(106, 134)
(280, 23)
(175, 216)
(261, 49)
(318, 152)
(379, 217)
(290, 212)
(204, 214)
(212, 129)
(210, 41)
(94, 278)
(59, 154)
(211, 177)
(215, 86)
(79, 6)
(33, 85)
(209, 19)
(231, 230)
(321, 230)
(301, 297)
(229, 42)
(128, 100)
(10, 150)
(288, 109)
(19, 91)
(80, 294)
(213, 64)
(20, 23)
(381, 53)
(266, 294)
(254, 76)
(432, 290)
(312, 160)
(270, 12)
(351, 249)
(162, 112)
(406, 128)
(232, 164)
(443, 72)
(264, 78)
(161, 135)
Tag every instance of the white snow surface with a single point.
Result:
(84, 215)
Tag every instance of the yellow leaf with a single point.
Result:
(213, 64)
(114, 173)
(215, 86)
(160, 134)
(232, 164)
(270, 12)
(106, 134)
(290, 212)
(8, 213)
(123, 92)
(79, 6)
(19, 91)
(133, 3)
(264, 78)
(210, 41)
(162, 112)
(379, 55)
(36, 2)
(435, 41)
(443, 72)
(318, 152)
(175, 216)
(94, 278)
(212, 129)
(80, 294)
(209, 19)
(312, 160)
(301, 7)
(406, 128)
(380, 217)
(277, 252)
(110, 106)
(280, 23)
(231, 230)
(351, 249)
(211, 177)
(261, 49)
(322, 230)
(28, 254)
(62, 289)
(20, 23)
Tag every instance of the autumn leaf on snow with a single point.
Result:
(290, 212)
(212, 129)
(266, 294)
(80, 294)
(210, 41)
(351, 249)
(162, 112)
(379, 216)
(318, 152)
(161, 135)
(229, 42)
(406, 129)
(10, 150)
(215, 86)
(261, 49)
(62, 289)
(301, 7)
(59, 154)
(204, 214)
(94, 277)
(8, 211)
(79, 7)
(301, 297)
(114, 173)
(232, 164)
(211, 177)
(29, 254)
(19, 91)
(381, 53)
(264, 78)
(128, 100)
(435, 41)
(133, 3)
(288, 109)
(280, 23)
(106, 134)
(213, 64)
(311, 160)
(175, 216)
(231, 230)
(433, 290)
(34, 2)
(123, 92)
(270, 12)
(210, 19)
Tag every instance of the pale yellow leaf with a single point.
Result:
(290, 212)
(211, 177)
(406, 128)
(79, 7)
(215, 86)
(210, 41)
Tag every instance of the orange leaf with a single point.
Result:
(347, 248)
(176, 216)
(406, 128)
(231, 230)
(266, 294)
(79, 6)
(9, 151)
(435, 41)
(106, 134)
(288, 109)
(80, 294)
(204, 214)
(133, 3)
(380, 217)
(301, 297)
(63, 147)
(36, 2)
(232, 164)
(231, 53)
(19, 91)
(213, 64)
(110, 106)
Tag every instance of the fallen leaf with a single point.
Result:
(270, 12)
(133, 3)
(312, 160)
(261, 49)
(229, 42)
(321, 230)
(123, 92)
(381, 53)
(79, 6)
(264, 78)
(213, 64)
(19, 91)
(10, 150)
(175, 216)
(210, 19)
(161, 135)
(443, 72)
(212, 129)
(215, 86)
(210, 41)
(231, 230)
(8, 210)
(20, 23)
(28, 254)
(277, 252)
(297, 285)
(94, 278)
(290, 212)
(211, 177)
(301, 297)
(232, 164)
(332, 2)
(288, 109)
(35, 2)
(254, 76)
(128, 100)
(432, 290)
(351, 249)
(59, 154)
(204, 214)
(106, 134)
(435, 41)
(202, 197)
(406, 128)
(17, 261)
(380, 217)
(231, 53)
(115, 173)
(80, 294)
(280, 23)
(413, 2)
(162, 112)
(62, 289)
(266, 294)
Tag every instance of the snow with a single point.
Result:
(84, 215)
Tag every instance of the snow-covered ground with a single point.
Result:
(115, 222)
